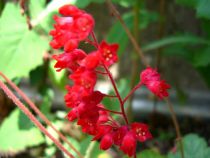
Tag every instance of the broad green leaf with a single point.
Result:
(185, 39)
(15, 139)
(203, 9)
(150, 154)
(36, 6)
(194, 147)
(21, 49)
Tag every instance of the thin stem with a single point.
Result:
(41, 115)
(176, 124)
(90, 42)
(33, 118)
(99, 72)
(132, 91)
(95, 39)
(113, 83)
(117, 94)
(132, 39)
(115, 112)
(110, 96)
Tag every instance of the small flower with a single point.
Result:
(91, 61)
(151, 79)
(106, 141)
(141, 131)
(69, 60)
(85, 78)
(159, 88)
(119, 134)
(108, 53)
(128, 145)
(148, 75)
(70, 10)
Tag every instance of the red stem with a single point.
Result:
(117, 94)
(132, 91)
(33, 118)
(41, 115)
(113, 83)
(115, 112)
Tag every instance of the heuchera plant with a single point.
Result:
(71, 28)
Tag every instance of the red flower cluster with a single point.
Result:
(151, 79)
(73, 27)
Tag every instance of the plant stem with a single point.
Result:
(115, 112)
(113, 83)
(117, 94)
(40, 114)
(33, 118)
(131, 92)
(176, 125)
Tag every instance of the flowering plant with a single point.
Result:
(71, 28)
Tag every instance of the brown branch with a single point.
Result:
(25, 110)
(176, 125)
(24, 11)
(41, 115)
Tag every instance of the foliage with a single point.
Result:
(16, 131)
(194, 147)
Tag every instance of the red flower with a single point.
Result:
(108, 53)
(74, 96)
(128, 145)
(83, 25)
(70, 10)
(91, 61)
(141, 131)
(102, 130)
(88, 125)
(106, 141)
(69, 60)
(119, 135)
(159, 88)
(151, 79)
(71, 29)
(85, 78)
(148, 75)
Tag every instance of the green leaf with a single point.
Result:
(21, 49)
(203, 9)
(185, 39)
(150, 154)
(194, 147)
(35, 7)
(15, 139)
